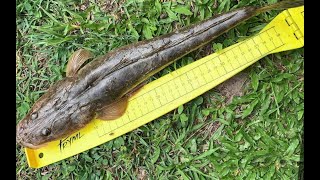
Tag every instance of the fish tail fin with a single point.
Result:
(285, 4)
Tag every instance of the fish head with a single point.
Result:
(53, 116)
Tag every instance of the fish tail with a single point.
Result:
(285, 4)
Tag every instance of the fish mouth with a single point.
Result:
(21, 140)
(31, 146)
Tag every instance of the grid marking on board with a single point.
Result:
(184, 80)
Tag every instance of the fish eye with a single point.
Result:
(34, 115)
(46, 132)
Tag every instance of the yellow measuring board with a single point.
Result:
(165, 94)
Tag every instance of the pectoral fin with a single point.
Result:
(76, 60)
(114, 110)
(118, 108)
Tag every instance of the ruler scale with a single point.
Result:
(165, 94)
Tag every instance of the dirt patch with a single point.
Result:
(234, 86)
(142, 174)
(167, 0)
(209, 129)
(110, 6)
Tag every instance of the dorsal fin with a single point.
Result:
(76, 60)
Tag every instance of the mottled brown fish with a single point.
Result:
(102, 87)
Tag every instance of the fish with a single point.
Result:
(101, 88)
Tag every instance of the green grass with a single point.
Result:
(257, 136)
